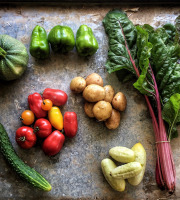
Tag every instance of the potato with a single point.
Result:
(94, 79)
(78, 84)
(102, 110)
(119, 101)
(114, 120)
(88, 108)
(109, 93)
(140, 156)
(94, 93)
(107, 166)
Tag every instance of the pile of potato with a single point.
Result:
(133, 171)
(101, 102)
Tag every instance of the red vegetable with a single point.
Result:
(58, 97)
(42, 128)
(35, 101)
(70, 124)
(25, 137)
(53, 143)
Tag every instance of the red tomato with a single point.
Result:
(70, 124)
(53, 143)
(58, 97)
(25, 137)
(42, 128)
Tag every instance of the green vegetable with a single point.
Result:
(13, 58)
(61, 39)
(171, 114)
(86, 43)
(177, 25)
(39, 46)
(27, 173)
(120, 42)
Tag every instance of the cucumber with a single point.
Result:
(24, 171)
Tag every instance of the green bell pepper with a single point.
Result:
(86, 43)
(39, 46)
(61, 39)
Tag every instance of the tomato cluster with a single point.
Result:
(46, 122)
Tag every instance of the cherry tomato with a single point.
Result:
(53, 143)
(27, 117)
(25, 137)
(46, 104)
(42, 128)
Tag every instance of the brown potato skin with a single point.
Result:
(119, 101)
(114, 121)
(94, 93)
(78, 84)
(94, 78)
(88, 108)
(102, 110)
(109, 93)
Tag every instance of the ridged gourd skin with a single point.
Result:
(127, 170)
(13, 58)
(23, 170)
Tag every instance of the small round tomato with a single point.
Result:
(25, 137)
(46, 104)
(27, 117)
(42, 128)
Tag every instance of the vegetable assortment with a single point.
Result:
(101, 102)
(48, 118)
(133, 170)
(151, 56)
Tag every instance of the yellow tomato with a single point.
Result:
(55, 118)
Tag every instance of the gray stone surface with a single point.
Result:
(75, 172)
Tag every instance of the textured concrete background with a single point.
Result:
(75, 172)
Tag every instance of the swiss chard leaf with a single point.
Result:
(143, 84)
(165, 66)
(177, 25)
(171, 114)
(171, 32)
(122, 41)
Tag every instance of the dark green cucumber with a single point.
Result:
(24, 171)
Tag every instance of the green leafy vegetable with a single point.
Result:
(165, 66)
(171, 114)
(177, 25)
(122, 41)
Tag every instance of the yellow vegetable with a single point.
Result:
(126, 171)
(107, 166)
(140, 156)
(56, 118)
(122, 154)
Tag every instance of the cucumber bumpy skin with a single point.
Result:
(24, 171)
(126, 171)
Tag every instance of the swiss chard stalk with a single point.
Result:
(131, 49)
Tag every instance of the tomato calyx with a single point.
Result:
(22, 139)
(36, 129)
